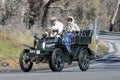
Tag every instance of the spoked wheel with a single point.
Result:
(56, 62)
(25, 63)
(84, 60)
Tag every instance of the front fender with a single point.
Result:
(26, 50)
(25, 45)
(62, 47)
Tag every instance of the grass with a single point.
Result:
(92, 45)
(11, 46)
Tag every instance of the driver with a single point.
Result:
(56, 26)
(70, 28)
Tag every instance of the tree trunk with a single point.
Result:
(44, 15)
(40, 9)
(114, 17)
(115, 14)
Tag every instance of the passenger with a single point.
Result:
(71, 25)
(70, 28)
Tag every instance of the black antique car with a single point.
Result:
(45, 49)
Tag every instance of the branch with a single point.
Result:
(45, 10)
(53, 0)
(60, 7)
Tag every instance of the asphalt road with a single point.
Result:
(106, 68)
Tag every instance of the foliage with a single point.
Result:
(86, 10)
(82, 10)
(91, 14)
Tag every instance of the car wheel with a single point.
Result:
(56, 62)
(84, 60)
(24, 61)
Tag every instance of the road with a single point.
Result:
(106, 68)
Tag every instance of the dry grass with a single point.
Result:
(102, 48)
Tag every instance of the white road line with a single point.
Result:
(77, 67)
(111, 48)
(96, 64)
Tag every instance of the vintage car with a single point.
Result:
(46, 50)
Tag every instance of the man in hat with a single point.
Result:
(56, 26)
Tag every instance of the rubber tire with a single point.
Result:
(22, 66)
(52, 61)
(84, 52)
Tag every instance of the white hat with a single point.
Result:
(70, 17)
(53, 18)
